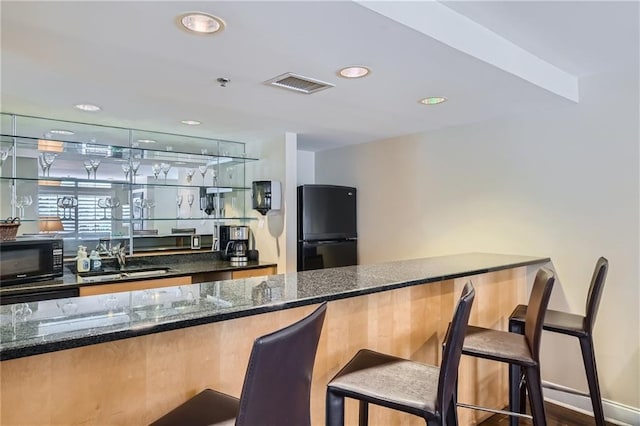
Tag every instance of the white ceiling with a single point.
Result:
(490, 59)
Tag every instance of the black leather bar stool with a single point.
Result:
(574, 325)
(400, 384)
(520, 351)
(277, 384)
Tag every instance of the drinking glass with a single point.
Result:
(190, 173)
(165, 169)
(203, 171)
(88, 167)
(126, 168)
(94, 165)
(190, 199)
(179, 200)
(135, 165)
(156, 170)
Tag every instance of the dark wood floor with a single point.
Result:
(556, 416)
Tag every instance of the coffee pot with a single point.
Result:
(236, 251)
(234, 243)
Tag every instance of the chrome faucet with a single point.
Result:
(120, 252)
(121, 255)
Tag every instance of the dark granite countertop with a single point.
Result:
(53, 325)
(178, 265)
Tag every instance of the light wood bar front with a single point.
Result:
(136, 380)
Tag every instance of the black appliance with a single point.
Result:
(327, 227)
(32, 259)
(234, 243)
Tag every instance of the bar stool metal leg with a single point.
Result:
(364, 414)
(515, 400)
(334, 410)
(534, 386)
(589, 359)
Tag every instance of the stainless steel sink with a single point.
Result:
(119, 275)
(145, 273)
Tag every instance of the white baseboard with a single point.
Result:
(614, 412)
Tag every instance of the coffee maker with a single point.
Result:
(234, 243)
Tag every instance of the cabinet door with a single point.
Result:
(257, 272)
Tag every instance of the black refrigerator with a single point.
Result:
(327, 231)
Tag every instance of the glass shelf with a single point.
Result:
(53, 172)
(88, 148)
(106, 183)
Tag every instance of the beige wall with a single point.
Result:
(270, 231)
(563, 184)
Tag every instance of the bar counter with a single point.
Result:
(127, 358)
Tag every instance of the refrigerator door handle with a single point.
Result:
(322, 242)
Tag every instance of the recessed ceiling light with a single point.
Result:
(201, 23)
(61, 132)
(146, 140)
(354, 72)
(88, 107)
(190, 122)
(433, 100)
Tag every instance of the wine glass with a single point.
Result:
(190, 199)
(94, 165)
(126, 168)
(113, 203)
(203, 171)
(148, 204)
(70, 203)
(102, 203)
(179, 200)
(135, 165)
(190, 173)
(88, 167)
(165, 169)
(42, 164)
(18, 202)
(3, 156)
(49, 158)
(61, 205)
(45, 160)
(230, 171)
(26, 202)
(156, 170)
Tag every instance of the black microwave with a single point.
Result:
(33, 259)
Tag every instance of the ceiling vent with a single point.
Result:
(299, 83)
